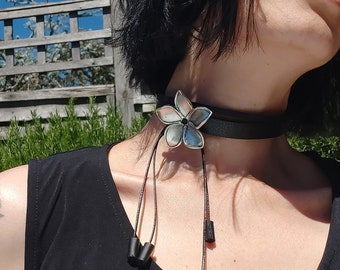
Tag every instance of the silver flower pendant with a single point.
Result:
(183, 122)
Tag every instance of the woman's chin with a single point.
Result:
(317, 47)
(324, 52)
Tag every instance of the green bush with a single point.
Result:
(38, 139)
(324, 146)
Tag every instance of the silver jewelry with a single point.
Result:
(183, 122)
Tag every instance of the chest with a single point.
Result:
(260, 243)
(249, 234)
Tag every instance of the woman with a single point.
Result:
(272, 208)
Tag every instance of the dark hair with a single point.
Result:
(155, 36)
(314, 101)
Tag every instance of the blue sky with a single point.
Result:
(20, 31)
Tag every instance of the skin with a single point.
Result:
(270, 205)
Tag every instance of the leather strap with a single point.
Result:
(237, 125)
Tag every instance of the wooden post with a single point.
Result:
(124, 93)
(40, 32)
(9, 36)
(108, 48)
(74, 29)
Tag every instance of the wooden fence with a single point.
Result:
(19, 104)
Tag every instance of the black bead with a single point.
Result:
(134, 250)
(209, 231)
(145, 253)
(184, 121)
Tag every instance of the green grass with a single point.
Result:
(62, 134)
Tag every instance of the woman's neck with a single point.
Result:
(250, 81)
(268, 160)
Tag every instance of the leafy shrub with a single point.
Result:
(38, 139)
(324, 146)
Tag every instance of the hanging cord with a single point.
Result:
(208, 225)
(155, 216)
(139, 255)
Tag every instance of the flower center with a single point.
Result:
(184, 121)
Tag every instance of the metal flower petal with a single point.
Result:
(169, 115)
(192, 138)
(182, 104)
(199, 116)
(173, 135)
(183, 122)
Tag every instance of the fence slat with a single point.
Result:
(65, 92)
(45, 111)
(79, 36)
(51, 8)
(93, 62)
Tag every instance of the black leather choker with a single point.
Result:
(237, 125)
(184, 123)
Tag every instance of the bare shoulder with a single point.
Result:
(13, 202)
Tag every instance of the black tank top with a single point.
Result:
(76, 221)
